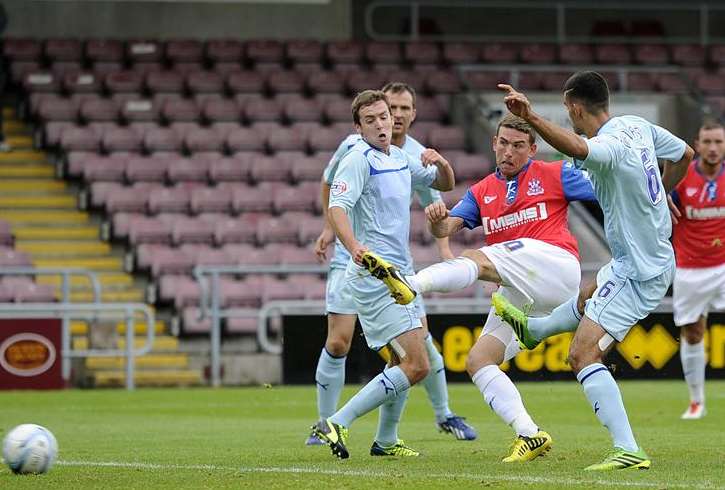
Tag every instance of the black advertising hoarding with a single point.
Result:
(651, 350)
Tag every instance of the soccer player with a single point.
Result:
(621, 156)
(699, 242)
(373, 186)
(330, 374)
(530, 252)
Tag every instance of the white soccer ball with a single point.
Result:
(30, 449)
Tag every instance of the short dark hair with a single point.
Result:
(515, 122)
(708, 124)
(398, 88)
(590, 88)
(364, 99)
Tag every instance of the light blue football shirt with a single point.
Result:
(622, 164)
(425, 194)
(375, 188)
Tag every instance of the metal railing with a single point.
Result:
(89, 311)
(66, 274)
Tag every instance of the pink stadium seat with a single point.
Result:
(448, 138)
(104, 50)
(127, 199)
(121, 222)
(640, 82)
(554, 81)
(224, 50)
(211, 199)
(246, 199)
(442, 82)
(612, 54)
(41, 81)
(710, 83)
(716, 54)
(471, 167)
(576, 54)
(99, 110)
(294, 255)
(193, 323)
(165, 82)
(298, 198)
(359, 81)
(460, 53)
(100, 192)
(245, 139)
(265, 51)
(326, 82)
(279, 289)
(308, 169)
(263, 110)
(103, 169)
(350, 52)
(538, 53)
(124, 82)
(304, 51)
(337, 110)
(14, 258)
(63, 50)
(229, 169)
(688, 54)
(180, 110)
(149, 231)
(121, 139)
(6, 233)
(82, 82)
(303, 110)
(184, 50)
(486, 80)
(181, 289)
(186, 170)
(203, 139)
(169, 200)
(140, 110)
(18, 49)
(286, 82)
(162, 139)
(270, 169)
(57, 109)
(181, 128)
(429, 109)
(143, 169)
(235, 230)
(283, 229)
(651, 54)
(35, 293)
(143, 51)
(79, 139)
(422, 52)
(102, 68)
(205, 82)
(309, 229)
(499, 53)
(384, 52)
(18, 69)
(170, 261)
(286, 139)
(530, 80)
(246, 82)
(192, 230)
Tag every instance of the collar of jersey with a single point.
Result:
(500, 176)
(697, 169)
(602, 126)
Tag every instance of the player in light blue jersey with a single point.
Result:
(621, 155)
(370, 210)
(330, 373)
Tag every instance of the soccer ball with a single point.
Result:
(30, 449)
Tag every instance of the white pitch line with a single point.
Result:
(377, 474)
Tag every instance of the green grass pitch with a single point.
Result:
(253, 438)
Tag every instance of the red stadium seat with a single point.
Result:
(286, 82)
(688, 54)
(344, 52)
(613, 54)
(422, 53)
(82, 82)
(41, 81)
(245, 139)
(169, 200)
(203, 139)
(576, 54)
(460, 53)
(442, 82)
(286, 139)
(17, 49)
(165, 82)
(448, 138)
(104, 50)
(265, 51)
(325, 82)
(124, 82)
(204, 82)
(224, 50)
(128, 199)
(103, 169)
(384, 52)
(184, 50)
(270, 169)
(263, 110)
(651, 54)
(499, 53)
(143, 51)
(180, 110)
(79, 139)
(303, 110)
(57, 109)
(246, 82)
(63, 50)
(304, 51)
(142, 169)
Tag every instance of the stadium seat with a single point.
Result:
(22, 49)
(203, 139)
(79, 139)
(161, 139)
(285, 82)
(384, 52)
(205, 82)
(99, 110)
(13, 258)
(211, 200)
(651, 54)
(57, 109)
(34, 293)
(192, 230)
(716, 54)
(124, 82)
(184, 51)
(246, 199)
(169, 200)
(144, 169)
(127, 199)
(486, 80)
(448, 138)
(303, 110)
(460, 53)
(121, 139)
(103, 169)
(63, 50)
(246, 82)
(442, 82)
(222, 110)
(170, 261)
(612, 54)
(263, 110)
(303, 51)
(82, 82)
(180, 110)
(576, 54)
(187, 170)
(688, 54)
(710, 83)
(270, 169)
(346, 52)
(337, 110)
(138, 51)
(104, 50)
(308, 169)
(18, 70)
(265, 51)
(499, 53)
(245, 139)
(286, 139)
(224, 50)
(40, 81)
(296, 198)
(229, 169)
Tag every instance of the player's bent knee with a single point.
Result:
(581, 356)
(694, 333)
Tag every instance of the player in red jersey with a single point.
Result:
(530, 253)
(699, 242)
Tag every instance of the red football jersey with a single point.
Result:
(699, 237)
(534, 205)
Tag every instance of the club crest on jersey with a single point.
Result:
(535, 188)
(338, 187)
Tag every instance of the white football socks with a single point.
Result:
(444, 277)
(693, 366)
(504, 399)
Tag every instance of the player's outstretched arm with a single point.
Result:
(446, 180)
(441, 224)
(562, 139)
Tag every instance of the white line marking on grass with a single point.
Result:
(380, 474)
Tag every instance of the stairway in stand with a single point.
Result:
(48, 226)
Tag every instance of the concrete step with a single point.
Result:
(94, 263)
(33, 186)
(149, 361)
(65, 248)
(163, 343)
(108, 280)
(56, 233)
(45, 217)
(13, 170)
(24, 156)
(60, 201)
(185, 377)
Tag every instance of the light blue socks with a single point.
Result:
(564, 318)
(389, 419)
(329, 378)
(382, 388)
(603, 393)
(435, 383)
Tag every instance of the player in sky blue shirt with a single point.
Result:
(621, 155)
